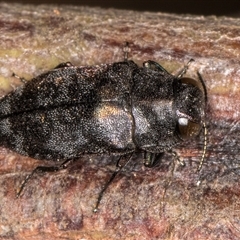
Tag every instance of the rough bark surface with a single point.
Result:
(161, 203)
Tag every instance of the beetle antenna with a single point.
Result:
(204, 124)
(204, 148)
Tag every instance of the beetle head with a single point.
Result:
(189, 105)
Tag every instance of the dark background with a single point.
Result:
(202, 7)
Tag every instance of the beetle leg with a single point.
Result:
(126, 51)
(42, 169)
(23, 80)
(61, 65)
(152, 159)
(118, 169)
(64, 64)
(175, 155)
(155, 66)
(184, 70)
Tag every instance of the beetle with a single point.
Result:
(116, 108)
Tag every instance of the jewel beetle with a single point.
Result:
(117, 108)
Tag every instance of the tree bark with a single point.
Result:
(166, 202)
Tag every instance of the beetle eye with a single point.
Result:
(187, 129)
(183, 121)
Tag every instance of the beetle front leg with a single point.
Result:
(152, 159)
(175, 155)
(184, 69)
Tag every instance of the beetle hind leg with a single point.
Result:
(42, 169)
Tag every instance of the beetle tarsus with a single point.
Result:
(23, 80)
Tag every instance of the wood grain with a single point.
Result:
(160, 203)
